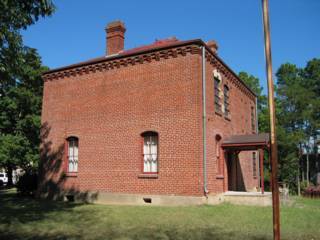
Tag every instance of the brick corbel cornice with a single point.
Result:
(124, 62)
(232, 77)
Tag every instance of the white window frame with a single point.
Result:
(73, 154)
(150, 152)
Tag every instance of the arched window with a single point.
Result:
(226, 101)
(217, 79)
(73, 145)
(217, 101)
(150, 152)
(218, 154)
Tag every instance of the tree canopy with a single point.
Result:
(297, 110)
(20, 85)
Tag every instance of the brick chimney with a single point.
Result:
(115, 37)
(213, 46)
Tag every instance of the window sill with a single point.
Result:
(219, 177)
(71, 174)
(148, 175)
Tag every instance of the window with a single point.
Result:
(150, 152)
(226, 101)
(217, 102)
(254, 164)
(218, 154)
(217, 82)
(73, 144)
(253, 120)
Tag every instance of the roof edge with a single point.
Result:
(122, 55)
(199, 42)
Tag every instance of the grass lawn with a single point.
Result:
(24, 218)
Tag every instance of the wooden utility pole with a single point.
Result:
(261, 152)
(273, 140)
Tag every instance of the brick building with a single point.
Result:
(147, 123)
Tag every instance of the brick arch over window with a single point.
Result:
(72, 156)
(150, 151)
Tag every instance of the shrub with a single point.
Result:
(312, 191)
(27, 184)
(304, 185)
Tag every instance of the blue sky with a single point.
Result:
(76, 31)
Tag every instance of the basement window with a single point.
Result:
(147, 200)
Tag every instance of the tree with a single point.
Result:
(290, 112)
(20, 85)
(298, 118)
(311, 75)
(263, 112)
(254, 84)
(20, 109)
(14, 16)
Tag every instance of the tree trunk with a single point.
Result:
(307, 175)
(9, 172)
(298, 182)
(317, 162)
(300, 160)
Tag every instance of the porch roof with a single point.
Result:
(247, 142)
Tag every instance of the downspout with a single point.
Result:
(257, 131)
(204, 121)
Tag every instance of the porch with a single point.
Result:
(232, 147)
(248, 198)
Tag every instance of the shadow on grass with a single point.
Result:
(17, 210)
(25, 209)
(21, 217)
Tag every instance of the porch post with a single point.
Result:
(223, 168)
(261, 152)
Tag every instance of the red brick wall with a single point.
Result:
(239, 123)
(108, 111)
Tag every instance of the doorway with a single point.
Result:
(235, 176)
